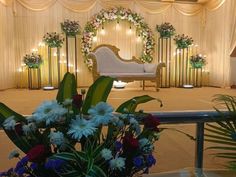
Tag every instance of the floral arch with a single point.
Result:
(118, 13)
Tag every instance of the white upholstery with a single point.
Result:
(107, 62)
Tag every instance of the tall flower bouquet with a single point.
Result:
(32, 60)
(71, 28)
(82, 136)
(197, 61)
(53, 39)
(166, 30)
(183, 41)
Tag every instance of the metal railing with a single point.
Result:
(199, 118)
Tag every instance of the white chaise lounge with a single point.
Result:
(107, 62)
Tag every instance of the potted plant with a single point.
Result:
(166, 30)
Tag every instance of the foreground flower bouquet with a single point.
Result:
(76, 136)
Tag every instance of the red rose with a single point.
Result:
(18, 129)
(151, 122)
(38, 153)
(130, 143)
(77, 100)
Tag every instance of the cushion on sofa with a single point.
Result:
(150, 68)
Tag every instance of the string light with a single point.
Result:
(95, 39)
(138, 38)
(77, 71)
(118, 27)
(55, 54)
(103, 31)
(20, 70)
(129, 32)
(34, 50)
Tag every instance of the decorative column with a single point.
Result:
(164, 56)
(34, 75)
(71, 30)
(166, 31)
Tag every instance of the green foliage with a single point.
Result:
(132, 104)
(98, 92)
(68, 88)
(223, 134)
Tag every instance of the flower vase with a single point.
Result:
(34, 78)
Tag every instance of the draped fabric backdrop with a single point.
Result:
(24, 22)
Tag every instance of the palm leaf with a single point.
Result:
(97, 92)
(221, 134)
(131, 105)
(67, 88)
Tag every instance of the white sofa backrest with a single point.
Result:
(107, 62)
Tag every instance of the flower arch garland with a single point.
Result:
(118, 13)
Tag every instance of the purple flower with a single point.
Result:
(118, 145)
(138, 161)
(150, 160)
(33, 166)
(20, 171)
(54, 164)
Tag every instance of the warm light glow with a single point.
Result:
(77, 71)
(23, 64)
(138, 39)
(41, 44)
(103, 31)
(204, 56)
(129, 31)
(62, 54)
(118, 27)
(54, 54)
(95, 39)
(119, 84)
(34, 50)
(70, 65)
(64, 61)
(20, 70)
(196, 45)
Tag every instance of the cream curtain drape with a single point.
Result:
(7, 57)
(33, 18)
(217, 36)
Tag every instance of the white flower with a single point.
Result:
(145, 145)
(117, 163)
(31, 127)
(101, 113)
(9, 123)
(13, 154)
(81, 127)
(135, 125)
(106, 154)
(57, 138)
(49, 111)
(67, 102)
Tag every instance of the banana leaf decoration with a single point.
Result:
(223, 133)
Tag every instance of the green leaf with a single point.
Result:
(97, 92)
(20, 141)
(6, 112)
(65, 156)
(98, 171)
(131, 105)
(67, 88)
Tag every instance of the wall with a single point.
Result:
(7, 50)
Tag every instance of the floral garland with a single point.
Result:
(183, 41)
(197, 61)
(70, 28)
(118, 14)
(166, 30)
(53, 39)
(32, 60)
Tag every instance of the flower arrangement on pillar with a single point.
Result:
(183, 41)
(67, 137)
(166, 30)
(197, 61)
